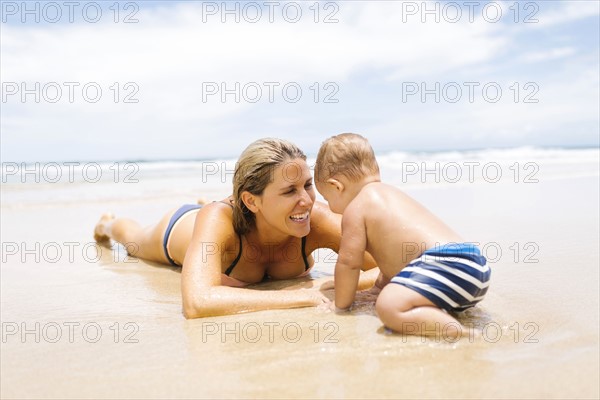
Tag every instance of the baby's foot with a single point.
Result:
(201, 201)
(100, 229)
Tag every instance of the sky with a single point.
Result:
(105, 81)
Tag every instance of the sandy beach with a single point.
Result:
(82, 321)
(487, 113)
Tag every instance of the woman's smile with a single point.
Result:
(301, 217)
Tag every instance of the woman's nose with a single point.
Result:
(305, 199)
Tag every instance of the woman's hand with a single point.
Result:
(310, 296)
(318, 297)
(373, 291)
(327, 285)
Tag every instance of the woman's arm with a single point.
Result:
(224, 300)
(369, 278)
(201, 289)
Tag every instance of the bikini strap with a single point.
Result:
(306, 265)
(221, 201)
(234, 263)
(237, 259)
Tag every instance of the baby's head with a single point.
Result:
(348, 155)
(346, 159)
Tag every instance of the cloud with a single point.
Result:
(551, 54)
(566, 12)
(170, 58)
(171, 43)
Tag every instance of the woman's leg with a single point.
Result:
(142, 242)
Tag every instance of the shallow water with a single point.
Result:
(110, 326)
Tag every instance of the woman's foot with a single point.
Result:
(100, 230)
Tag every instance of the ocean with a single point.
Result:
(47, 183)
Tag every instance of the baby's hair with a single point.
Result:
(346, 154)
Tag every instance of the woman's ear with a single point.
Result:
(250, 201)
(337, 185)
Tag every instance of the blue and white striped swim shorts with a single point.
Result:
(453, 276)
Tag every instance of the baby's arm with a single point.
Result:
(350, 259)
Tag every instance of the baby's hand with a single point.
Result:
(336, 310)
(330, 307)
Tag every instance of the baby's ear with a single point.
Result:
(336, 183)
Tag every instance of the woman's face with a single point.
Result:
(287, 201)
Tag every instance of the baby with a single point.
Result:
(429, 268)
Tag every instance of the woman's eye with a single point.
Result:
(291, 191)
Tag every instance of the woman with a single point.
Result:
(267, 229)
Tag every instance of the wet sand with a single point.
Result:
(105, 325)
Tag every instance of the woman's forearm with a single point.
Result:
(223, 300)
(367, 279)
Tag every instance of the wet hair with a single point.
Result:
(347, 154)
(254, 171)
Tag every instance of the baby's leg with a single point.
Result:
(406, 311)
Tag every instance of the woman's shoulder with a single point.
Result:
(319, 212)
(215, 219)
(221, 206)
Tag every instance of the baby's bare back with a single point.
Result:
(398, 228)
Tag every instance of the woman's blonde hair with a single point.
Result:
(346, 154)
(254, 171)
